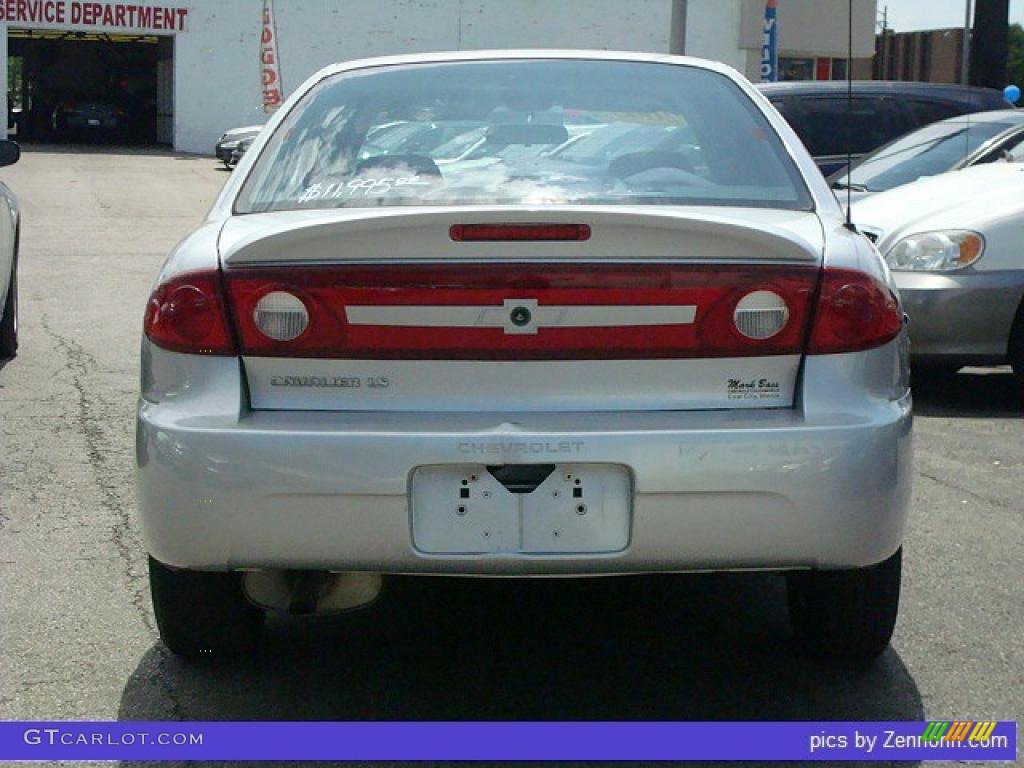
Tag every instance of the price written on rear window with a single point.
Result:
(361, 187)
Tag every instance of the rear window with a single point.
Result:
(923, 112)
(831, 126)
(524, 132)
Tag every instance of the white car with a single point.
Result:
(955, 244)
(9, 218)
(229, 141)
(367, 366)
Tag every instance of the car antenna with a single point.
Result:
(849, 117)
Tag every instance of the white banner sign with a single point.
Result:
(270, 65)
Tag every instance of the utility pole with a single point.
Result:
(965, 46)
(883, 67)
(989, 45)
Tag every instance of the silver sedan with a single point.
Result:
(955, 243)
(676, 359)
(9, 216)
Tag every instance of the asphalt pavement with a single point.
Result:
(77, 637)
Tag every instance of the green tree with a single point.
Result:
(1015, 57)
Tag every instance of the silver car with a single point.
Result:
(9, 220)
(370, 365)
(955, 243)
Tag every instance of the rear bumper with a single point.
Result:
(825, 484)
(961, 316)
(84, 122)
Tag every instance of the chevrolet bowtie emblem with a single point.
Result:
(522, 316)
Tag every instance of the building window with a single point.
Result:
(796, 69)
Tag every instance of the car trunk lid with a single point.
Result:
(402, 312)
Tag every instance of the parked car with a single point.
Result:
(601, 146)
(240, 149)
(418, 137)
(881, 111)
(89, 119)
(9, 220)
(477, 148)
(358, 367)
(953, 242)
(15, 119)
(948, 145)
(229, 141)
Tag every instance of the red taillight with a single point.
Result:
(187, 314)
(856, 311)
(522, 311)
(468, 233)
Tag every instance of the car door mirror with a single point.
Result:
(9, 152)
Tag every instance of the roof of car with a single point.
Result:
(872, 85)
(949, 90)
(1008, 116)
(527, 53)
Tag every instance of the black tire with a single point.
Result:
(203, 614)
(9, 322)
(1015, 352)
(848, 615)
(933, 371)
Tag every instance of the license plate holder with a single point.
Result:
(93, 121)
(576, 509)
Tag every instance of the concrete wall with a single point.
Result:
(813, 27)
(731, 30)
(712, 32)
(217, 72)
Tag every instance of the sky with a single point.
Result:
(906, 15)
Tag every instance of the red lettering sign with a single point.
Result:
(269, 61)
(163, 18)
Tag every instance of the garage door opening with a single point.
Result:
(81, 87)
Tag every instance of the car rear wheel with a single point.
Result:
(1016, 348)
(848, 614)
(9, 322)
(202, 614)
(926, 372)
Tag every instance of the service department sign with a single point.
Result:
(92, 15)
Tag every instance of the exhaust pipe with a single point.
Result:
(311, 592)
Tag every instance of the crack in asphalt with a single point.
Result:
(966, 492)
(79, 364)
